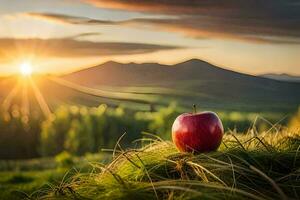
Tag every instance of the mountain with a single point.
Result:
(148, 85)
(282, 77)
(193, 81)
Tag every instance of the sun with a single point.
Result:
(26, 69)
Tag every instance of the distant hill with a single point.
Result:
(282, 77)
(193, 81)
(150, 85)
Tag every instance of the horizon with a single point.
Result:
(17, 73)
(64, 36)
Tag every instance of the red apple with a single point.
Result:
(198, 132)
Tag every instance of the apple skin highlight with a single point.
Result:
(200, 132)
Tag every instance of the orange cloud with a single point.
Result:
(272, 21)
(67, 19)
(70, 48)
(197, 26)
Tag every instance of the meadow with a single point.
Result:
(252, 165)
(260, 162)
(71, 140)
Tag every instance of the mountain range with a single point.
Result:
(282, 77)
(189, 82)
(147, 85)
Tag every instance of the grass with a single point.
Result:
(247, 166)
(16, 185)
(25, 179)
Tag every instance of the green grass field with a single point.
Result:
(247, 166)
(19, 178)
(262, 163)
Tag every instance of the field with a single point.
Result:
(84, 136)
(247, 166)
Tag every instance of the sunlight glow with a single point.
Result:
(26, 69)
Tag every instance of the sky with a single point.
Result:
(60, 36)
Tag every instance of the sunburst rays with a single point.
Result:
(25, 110)
(40, 98)
(8, 100)
(22, 90)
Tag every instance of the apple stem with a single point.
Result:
(195, 108)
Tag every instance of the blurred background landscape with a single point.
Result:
(88, 110)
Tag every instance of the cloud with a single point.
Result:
(81, 35)
(210, 27)
(11, 48)
(245, 8)
(67, 19)
(266, 21)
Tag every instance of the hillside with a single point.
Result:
(138, 86)
(282, 77)
(55, 93)
(193, 81)
(264, 166)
